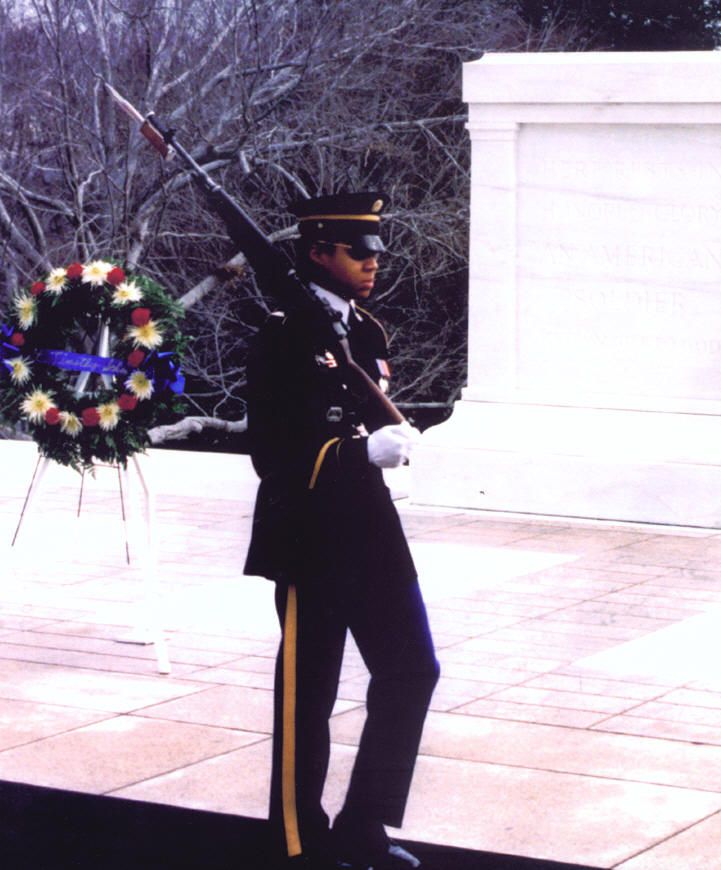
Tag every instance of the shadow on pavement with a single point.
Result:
(53, 829)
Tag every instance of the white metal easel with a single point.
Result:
(150, 629)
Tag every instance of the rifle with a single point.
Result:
(264, 258)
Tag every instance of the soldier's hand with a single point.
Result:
(391, 446)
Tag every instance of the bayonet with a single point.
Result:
(145, 124)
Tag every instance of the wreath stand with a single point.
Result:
(76, 299)
(150, 629)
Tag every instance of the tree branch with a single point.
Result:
(235, 266)
(192, 426)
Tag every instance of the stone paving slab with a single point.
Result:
(548, 815)
(235, 782)
(24, 722)
(694, 849)
(107, 755)
(577, 717)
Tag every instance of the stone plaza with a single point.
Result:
(578, 716)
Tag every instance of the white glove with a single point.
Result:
(390, 446)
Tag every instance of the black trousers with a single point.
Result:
(390, 627)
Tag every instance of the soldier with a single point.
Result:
(326, 531)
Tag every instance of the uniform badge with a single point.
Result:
(334, 414)
(327, 360)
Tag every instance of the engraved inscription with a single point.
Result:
(619, 261)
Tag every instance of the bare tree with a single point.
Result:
(278, 99)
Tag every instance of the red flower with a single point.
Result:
(90, 417)
(135, 357)
(18, 339)
(37, 288)
(115, 276)
(52, 416)
(127, 401)
(140, 316)
(74, 271)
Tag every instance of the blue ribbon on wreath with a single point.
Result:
(82, 362)
(161, 368)
(7, 350)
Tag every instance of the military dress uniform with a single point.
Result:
(326, 531)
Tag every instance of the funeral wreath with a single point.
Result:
(90, 361)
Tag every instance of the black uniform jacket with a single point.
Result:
(323, 513)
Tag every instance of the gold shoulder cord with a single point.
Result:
(319, 461)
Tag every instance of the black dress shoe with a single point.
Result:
(398, 858)
(361, 843)
(395, 858)
(370, 849)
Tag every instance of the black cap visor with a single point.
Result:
(373, 243)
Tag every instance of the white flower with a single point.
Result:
(70, 424)
(140, 385)
(56, 281)
(109, 414)
(20, 370)
(25, 307)
(146, 335)
(96, 272)
(35, 405)
(126, 292)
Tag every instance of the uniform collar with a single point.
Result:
(343, 306)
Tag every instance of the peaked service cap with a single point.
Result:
(342, 217)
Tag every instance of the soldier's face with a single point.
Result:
(348, 277)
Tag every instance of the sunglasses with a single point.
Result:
(356, 251)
